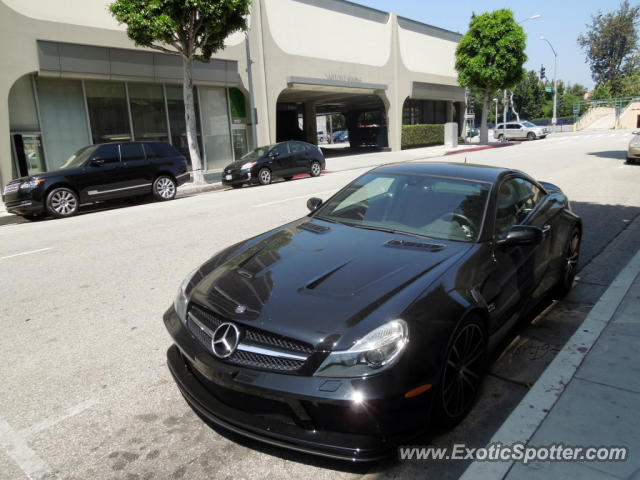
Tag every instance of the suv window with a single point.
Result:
(517, 197)
(131, 151)
(108, 153)
(515, 126)
(297, 148)
(159, 150)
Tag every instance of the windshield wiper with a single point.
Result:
(386, 229)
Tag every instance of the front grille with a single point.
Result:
(11, 187)
(253, 336)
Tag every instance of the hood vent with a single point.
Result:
(428, 247)
(312, 227)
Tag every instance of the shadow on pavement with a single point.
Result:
(337, 152)
(617, 154)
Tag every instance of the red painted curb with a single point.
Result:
(482, 147)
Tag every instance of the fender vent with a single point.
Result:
(429, 247)
(312, 227)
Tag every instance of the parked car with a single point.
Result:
(96, 173)
(284, 159)
(633, 152)
(520, 130)
(341, 137)
(370, 319)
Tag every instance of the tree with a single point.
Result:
(193, 29)
(528, 96)
(490, 56)
(610, 42)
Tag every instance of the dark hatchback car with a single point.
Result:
(284, 159)
(366, 322)
(97, 173)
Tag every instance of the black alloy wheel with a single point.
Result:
(571, 259)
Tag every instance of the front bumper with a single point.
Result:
(24, 202)
(309, 414)
(237, 177)
(633, 152)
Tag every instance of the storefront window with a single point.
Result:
(215, 126)
(64, 119)
(108, 111)
(147, 112)
(175, 105)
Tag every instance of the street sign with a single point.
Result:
(547, 89)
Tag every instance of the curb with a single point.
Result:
(190, 189)
(529, 414)
(482, 147)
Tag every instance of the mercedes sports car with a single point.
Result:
(370, 320)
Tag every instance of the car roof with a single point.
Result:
(469, 171)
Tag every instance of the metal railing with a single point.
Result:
(619, 104)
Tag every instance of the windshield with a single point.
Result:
(528, 124)
(79, 158)
(257, 153)
(436, 207)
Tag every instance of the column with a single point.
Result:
(310, 128)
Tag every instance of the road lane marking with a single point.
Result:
(26, 253)
(15, 445)
(308, 195)
(51, 421)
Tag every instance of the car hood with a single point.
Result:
(238, 163)
(312, 280)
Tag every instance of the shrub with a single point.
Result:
(414, 136)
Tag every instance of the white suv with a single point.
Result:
(520, 130)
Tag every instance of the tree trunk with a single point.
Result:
(484, 133)
(190, 122)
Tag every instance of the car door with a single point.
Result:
(300, 157)
(281, 161)
(137, 174)
(513, 131)
(512, 276)
(102, 175)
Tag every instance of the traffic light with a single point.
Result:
(542, 72)
(472, 101)
(560, 100)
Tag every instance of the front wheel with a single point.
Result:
(462, 372)
(164, 188)
(316, 169)
(531, 136)
(62, 202)
(571, 258)
(264, 176)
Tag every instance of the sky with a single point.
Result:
(560, 22)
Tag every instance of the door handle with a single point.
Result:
(546, 229)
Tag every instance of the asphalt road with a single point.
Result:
(85, 392)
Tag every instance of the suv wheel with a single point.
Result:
(62, 202)
(164, 188)
(531, 136)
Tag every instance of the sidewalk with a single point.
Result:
(588, 396)
(334, 164)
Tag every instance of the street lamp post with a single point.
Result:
(532, 17)
(495, 123)
(554, 120)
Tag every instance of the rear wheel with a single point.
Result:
(464, 367)
(264, 176)
(62, 202)
(531, 136)
(316, 169)
(571, 258)
(164, 188)
(500, 137)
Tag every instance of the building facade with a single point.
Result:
(70, 77)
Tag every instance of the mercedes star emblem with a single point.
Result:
(225, 340)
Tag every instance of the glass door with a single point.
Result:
(239, 136)
(29, 152)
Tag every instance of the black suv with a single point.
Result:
(96, 173)
(284, 160)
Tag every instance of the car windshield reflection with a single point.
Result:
(429, 206)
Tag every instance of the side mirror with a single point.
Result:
(96, 162)
(314, 203)
(521, 235)
(636, 133)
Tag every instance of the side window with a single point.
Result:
(517, 197)
(108, 153)
(159, 150)
(297, 148)
(131, 151)
(282, 149)
(513, 126)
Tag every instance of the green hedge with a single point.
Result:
(414, 136)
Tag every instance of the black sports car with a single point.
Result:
(285, 159)
(347, 331)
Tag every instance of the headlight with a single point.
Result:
(181, 301)
(248, 165)
(31, 183)
(377, 350)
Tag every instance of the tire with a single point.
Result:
(287, 178)
(315, 169)
(570, 259)
(531, 136)
(238, 185)
(264, 176)
(62, 202)
(500, 137)
(630, 161)
(462, 372)
(164, 188)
